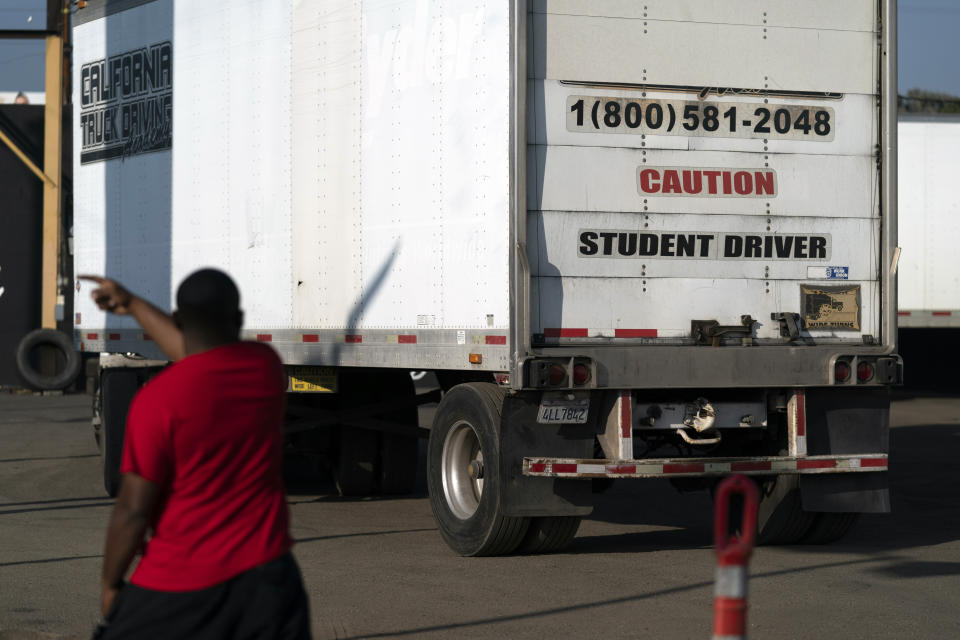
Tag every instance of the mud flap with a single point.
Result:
(847, 421)
(521, 436)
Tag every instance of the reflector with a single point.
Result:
(581, 374)
(841, 372)
(557, 374)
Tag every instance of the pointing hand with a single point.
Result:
(110, 295)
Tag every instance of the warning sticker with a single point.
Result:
(829, 273)
(312, 379)
(831, 307)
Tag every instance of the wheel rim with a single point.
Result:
(460, 449)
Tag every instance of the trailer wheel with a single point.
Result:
(781, 518)
(464, 476)
(117, 388)
(830, 527)
(549, 534)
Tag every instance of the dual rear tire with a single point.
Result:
(783, 521)
(466, 489)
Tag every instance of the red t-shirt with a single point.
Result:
(208, 430)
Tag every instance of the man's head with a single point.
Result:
(208, 309)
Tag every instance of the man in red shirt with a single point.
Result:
(202, 468)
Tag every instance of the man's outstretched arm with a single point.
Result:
(112, 296)
(128, 524)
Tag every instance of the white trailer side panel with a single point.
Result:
(121, 205)
(345, 161)
(929, 229)
(231, 151)
(400, 165)
(434, 164)
(325, 157)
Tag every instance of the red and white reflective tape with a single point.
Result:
(433, 338)
(939, 314)
(570, 332)
(659, 468)
(929, 317)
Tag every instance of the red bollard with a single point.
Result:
(733, 555)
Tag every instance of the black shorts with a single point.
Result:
(263, 603)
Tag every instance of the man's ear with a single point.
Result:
(176, 320)
(239, 320)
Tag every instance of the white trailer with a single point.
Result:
(632, 239)
(929, 291)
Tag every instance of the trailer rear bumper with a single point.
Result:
(703, 467)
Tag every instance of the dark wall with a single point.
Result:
(930, 359)
(21, 226)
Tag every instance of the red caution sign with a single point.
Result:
(707, 183)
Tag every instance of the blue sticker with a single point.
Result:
(838, 273)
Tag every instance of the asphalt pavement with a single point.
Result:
(641, 566)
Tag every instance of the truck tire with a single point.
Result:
(467, 507)
(355, 472)
(54, 339)
(117, 388)
(549, 534)
(781, 518)
(830, 527)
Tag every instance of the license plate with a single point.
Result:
(564, 411)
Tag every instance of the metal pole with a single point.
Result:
(519, 269)
(888, 161)
(52, 152)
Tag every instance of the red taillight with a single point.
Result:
(864, 371)
(581, 374)
(557, 375)
(841, 372)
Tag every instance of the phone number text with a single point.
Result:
(589, 114)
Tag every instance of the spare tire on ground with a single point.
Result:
(28, 356)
